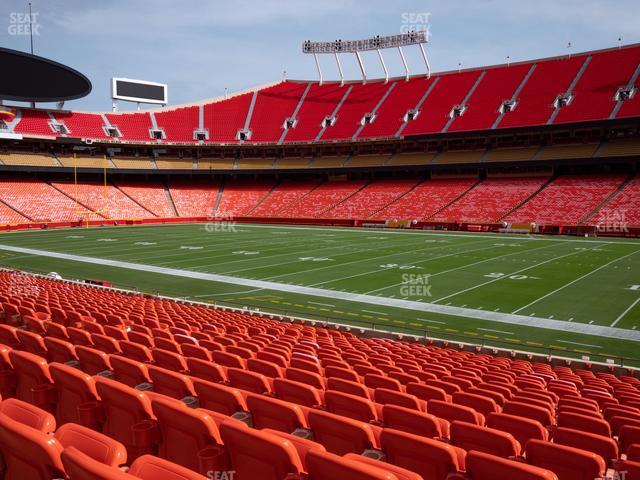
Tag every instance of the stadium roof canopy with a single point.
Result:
(29, 78)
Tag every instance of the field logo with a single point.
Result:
(221, 224)
(221, 474)
(415, 285)
(415, 22)
(23, 24)
(613, 222)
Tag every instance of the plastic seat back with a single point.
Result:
(297, 392)
(567, 463)
(79, 466)
(479, 403)
(584, 423)
(483, 466)
(59, 350)
(427, 392)
(169, 360)
(74, 389)
(385, 396)
(347, 386)
(29, 453)
(96, 445)
(249, 381)
(340, 435)
(188, 437)
(399, 472)
(483, 439)
(149, 467)
(206, 370)
(327, 466)
(606, 447)
(92, 361)
(31, 371)
(379, 381)
(219, 398)
(172, 384)
(527, 410)
(28, 414)
(452, 412)
(522, 429)
(128, 371)
(258, 454)
(411, 421)
(350, 406)
(427, 457)
(125, 409)
(276, 414)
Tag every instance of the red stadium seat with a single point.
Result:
(483, 466)
(341, 435)
(259, 454)
(127, 416)
(275, 414)
(522, 429)
(417, 423)
(75, 391)
(27, 414)
(350, 406)
(219, 398)
(484, 439)
(424, 456)
(189, 437)
(566, 462)
(452, 412)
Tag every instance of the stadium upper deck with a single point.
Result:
(587, 87)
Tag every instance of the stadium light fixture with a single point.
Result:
(377, 43)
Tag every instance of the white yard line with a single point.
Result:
(496, 331)
(580, 344)
(507, 318)
(375, 313)
(553, 292)
(322, 304)
(615, 322)
(508, 275)
(431, 321)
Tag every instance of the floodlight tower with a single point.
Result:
(376, 43)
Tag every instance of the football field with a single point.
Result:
(572, 296)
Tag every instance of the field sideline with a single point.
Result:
(577, 296)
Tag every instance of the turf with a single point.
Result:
(580, 281)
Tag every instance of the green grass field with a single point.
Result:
(575, 296)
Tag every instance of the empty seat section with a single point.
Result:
(566, 200)
(322, 199)
(425, 199)
(490, 200)
(273, 106)
(367, 201)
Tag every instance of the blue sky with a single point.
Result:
(199, 48)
